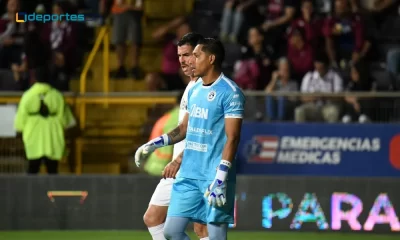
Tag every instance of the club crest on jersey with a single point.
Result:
(211, 95)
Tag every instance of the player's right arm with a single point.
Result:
(179, 133)
(176, 135)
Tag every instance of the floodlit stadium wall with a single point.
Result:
(262, 203)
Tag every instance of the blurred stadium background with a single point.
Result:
(298, 179)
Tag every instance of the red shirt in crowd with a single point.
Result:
(302, 60)
(61, 37)
(276, 8)
(312, 29)
(170, 60)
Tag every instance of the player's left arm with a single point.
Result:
(233, 105)
(233, 128)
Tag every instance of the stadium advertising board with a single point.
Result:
(345, 209)
(262, 203)
(371, 150)
(318, 204)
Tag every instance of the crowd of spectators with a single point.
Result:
(33, 44)
(310, 46)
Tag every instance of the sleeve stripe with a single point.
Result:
(230, 84)
(234, 117)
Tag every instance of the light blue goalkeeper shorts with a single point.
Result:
(188, 201)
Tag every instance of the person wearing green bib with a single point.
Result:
(42, 118)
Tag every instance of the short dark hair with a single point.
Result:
(215, 47)
(321, 57)
(191, 39)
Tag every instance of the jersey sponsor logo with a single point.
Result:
(195, 146)
(238, 104)
(211, 95)
(199, 131)
(198, 112)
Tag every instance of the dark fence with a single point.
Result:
(263, 203)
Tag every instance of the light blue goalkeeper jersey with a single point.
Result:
(208, 107)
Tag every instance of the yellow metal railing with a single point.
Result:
(102, 38)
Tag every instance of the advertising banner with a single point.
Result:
(371, 150)
(318, 204)
(262, 203)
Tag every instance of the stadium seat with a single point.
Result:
(161, 9)
(384, 81)
(148, 29)
(232, 53)
(212, 7)
(150, 59)
(107, 155)
(391, 28)
(101, 168)
(7, 82)
(203, 23)
(397, 82)
(383, 49)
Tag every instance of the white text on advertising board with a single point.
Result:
(309, 149)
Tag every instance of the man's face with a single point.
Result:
(12, 5)
(57, 9)
(284, 69)
(254, 37)
(296, 40)
(320, 67)
(307, 7)
(201, 61)
(185, 54)
(341, 6)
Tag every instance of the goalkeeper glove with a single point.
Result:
(216, 192)
(145, 150)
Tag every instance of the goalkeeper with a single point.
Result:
(204, 191)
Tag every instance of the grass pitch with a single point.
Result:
(143, 235)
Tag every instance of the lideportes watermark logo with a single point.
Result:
(22, 17)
